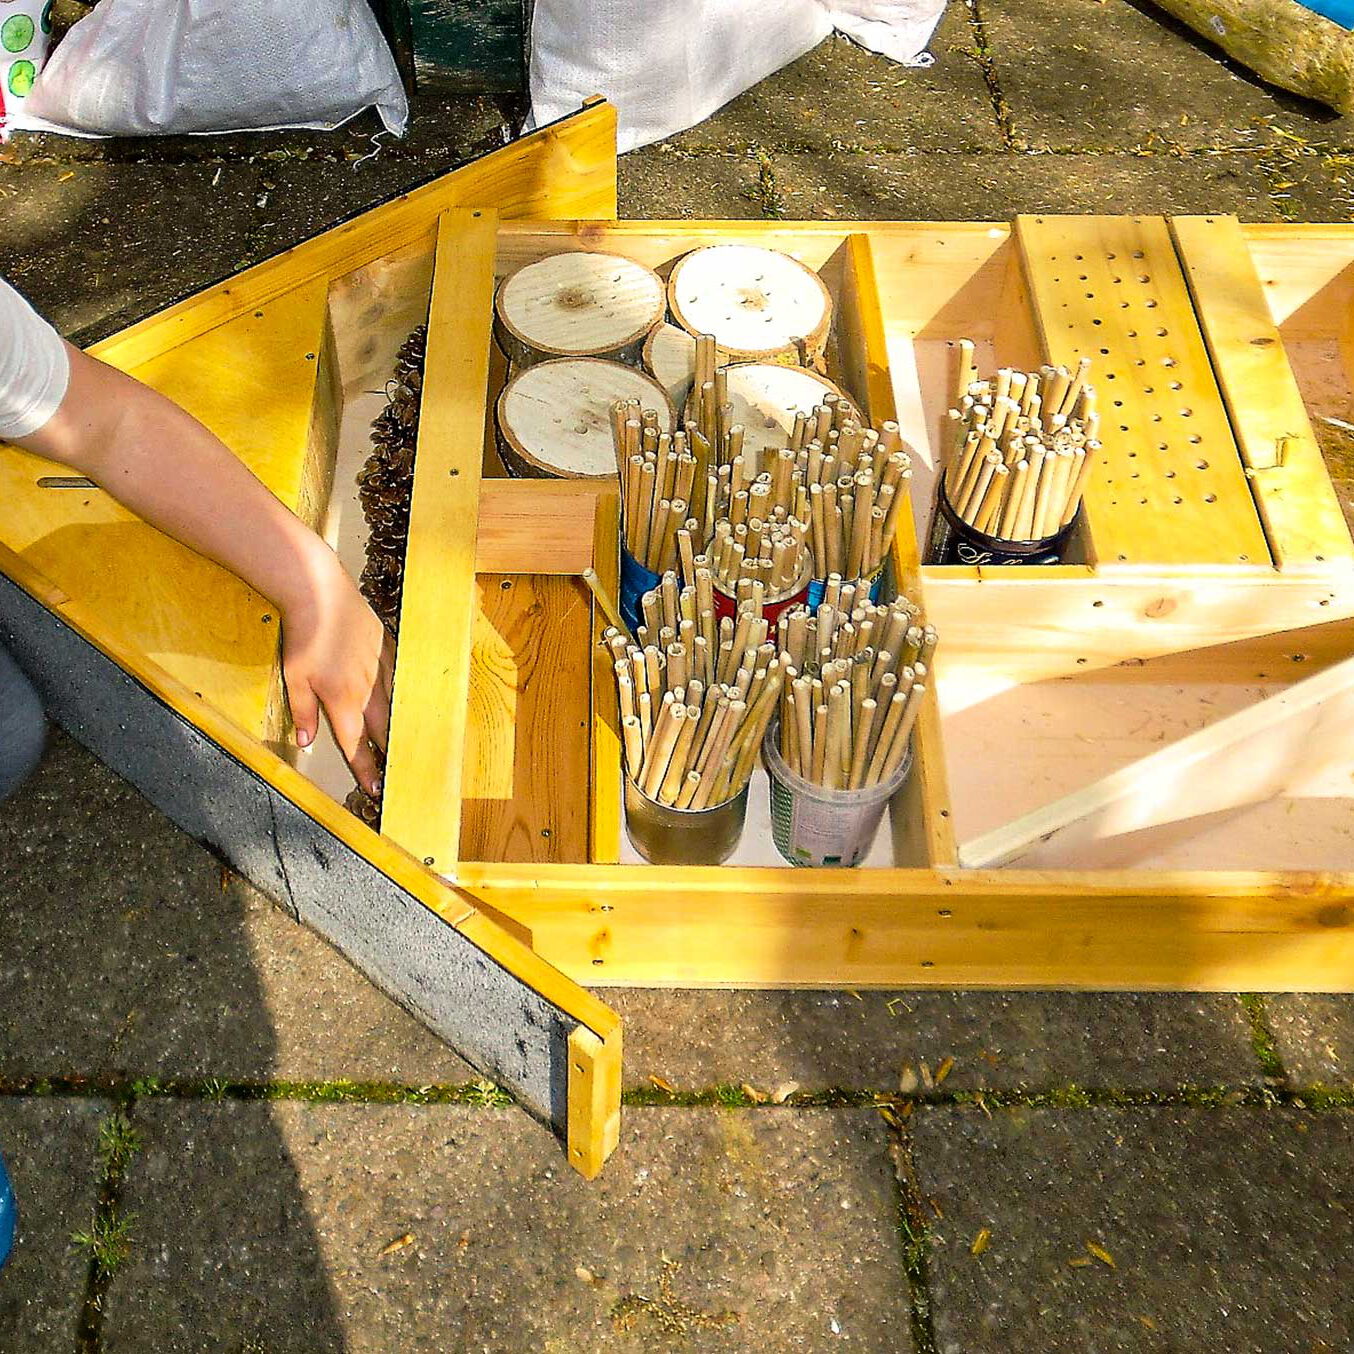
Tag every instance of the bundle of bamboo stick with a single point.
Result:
(1023, 448)
(828, 499)
(662, 483)
(695, 697)
(853, 676)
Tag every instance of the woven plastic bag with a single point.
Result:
(668, 64)
(149, 67)
(897, 28)
(665, 64)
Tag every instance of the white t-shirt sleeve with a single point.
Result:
(34, 368)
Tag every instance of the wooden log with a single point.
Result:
(554, 419)
(1289, 45)
(766, 397)
(577, 305)
(761, 305)
(670, 358)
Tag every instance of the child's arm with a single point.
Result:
(170, 470)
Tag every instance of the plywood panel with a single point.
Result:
(257, 382)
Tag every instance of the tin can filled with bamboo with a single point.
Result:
(1022, 449)
(695, 696)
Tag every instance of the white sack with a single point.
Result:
(669, 64)
(146, 67)
(899, 29)
(664, 64)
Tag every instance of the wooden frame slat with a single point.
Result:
(421, 806)
(1292, 487)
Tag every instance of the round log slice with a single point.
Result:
(670, 358)
(554, 419)
(766, 397)
(759, 304)
(577, 305)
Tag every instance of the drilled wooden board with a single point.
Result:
(526, 731)
(1169, 486)
(1292, 487)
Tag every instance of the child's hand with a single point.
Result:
(336, 654)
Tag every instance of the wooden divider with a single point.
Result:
(1288, 477)
(421, 807)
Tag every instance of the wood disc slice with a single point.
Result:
(577, 305)
(554, 419)
(759, 304)
(766, 397)
(670, 358)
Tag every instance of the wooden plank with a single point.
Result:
(920, 814)
(1251, 756)
(1061, 619)
(535, 526)
(1107, 930)
(594, 1100)
(565, 170)
(1303, 522)
(1168, 487)
(261, 383)
(1307, 276)
(605, 798)
(525, 782)
(421, 807)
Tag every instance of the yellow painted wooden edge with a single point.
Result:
(565, 170)
(594, 1100)
(1296, 500)
(451, 903)
(605, 806)
(1113, 929)
(421, 804)
(933, 778)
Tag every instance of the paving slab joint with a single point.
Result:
(1263, 1043)
(108, 1237)
(915, 1216)
(982, 54)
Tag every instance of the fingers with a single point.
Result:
(378, 707)
(350, 732)
(305, 711)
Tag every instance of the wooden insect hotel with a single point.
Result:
(1132, 768)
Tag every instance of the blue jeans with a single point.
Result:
(23, 731)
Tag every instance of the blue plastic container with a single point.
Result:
(636, 580)
(9, 1215)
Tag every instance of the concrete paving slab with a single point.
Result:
(131, 952)
(709, 1230)
(1224, 1228)
(840, 93)
(995, 187)
(1110, 75)
(998, 1040)
(662, 182)
(49, 1150)
(1313, 1036)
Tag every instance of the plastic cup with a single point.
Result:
(816, 827)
